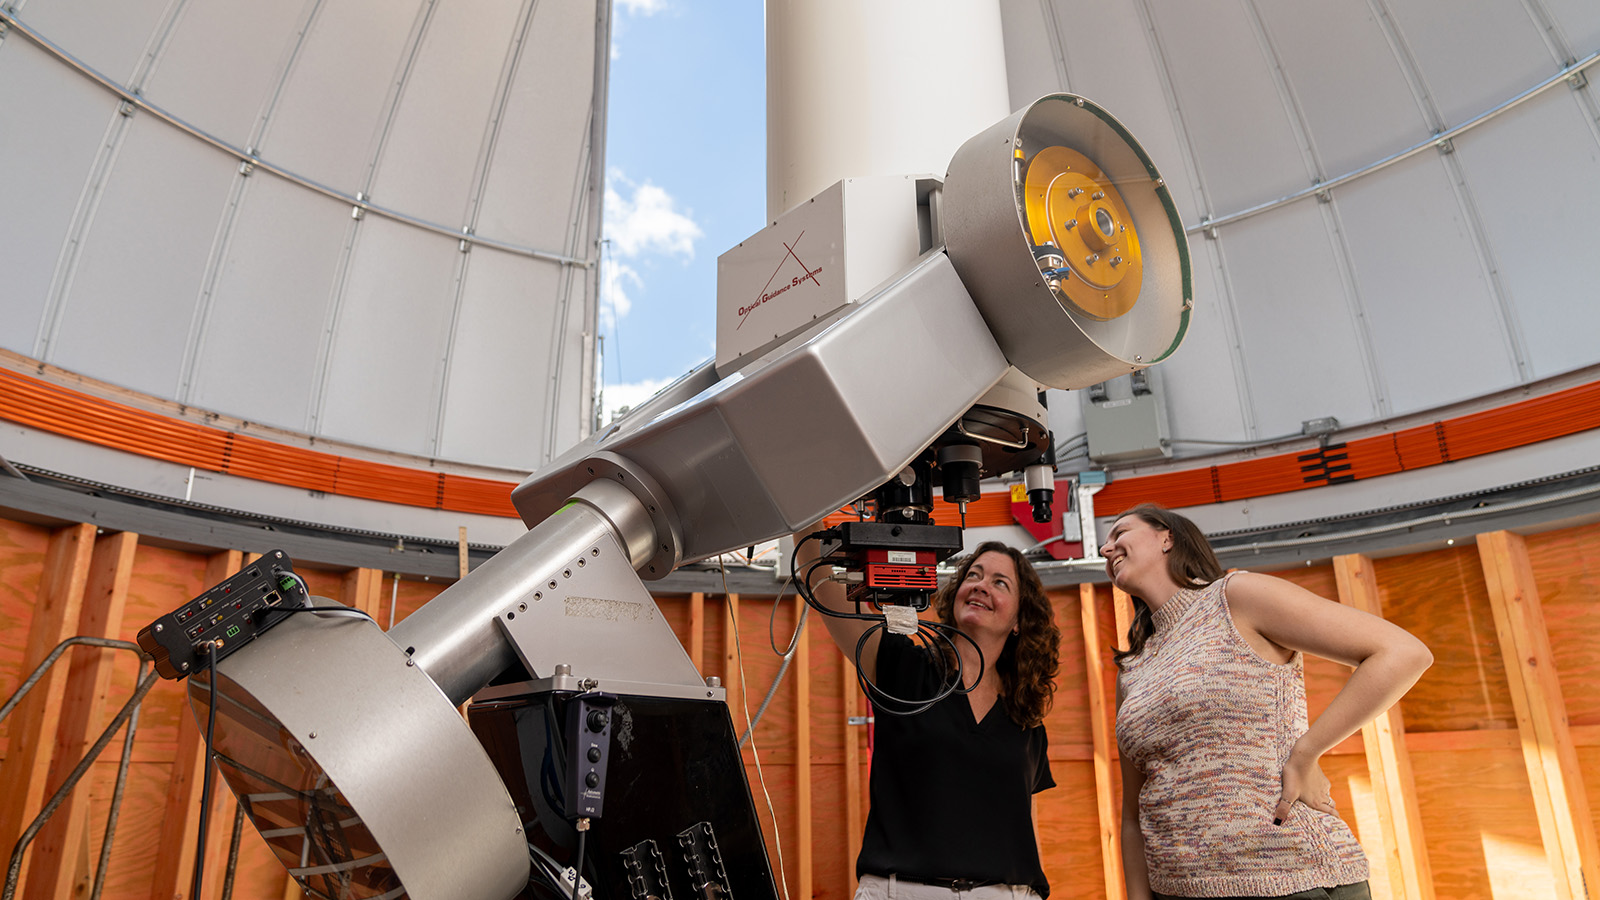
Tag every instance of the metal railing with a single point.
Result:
(129, 714)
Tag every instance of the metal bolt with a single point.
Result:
(552, 585)
(522, 607)
(183, 666)
(594, 551)
(566, 573)
(563, 669)
(1098, 195)
(158, 628)
(411, 662)
(1079, 101)
(538, 595)
(1161, 182)
(1072, 194)
(313, 735)
(582, 562)
(1092, 258)
(1116, 261)
(1072, 223)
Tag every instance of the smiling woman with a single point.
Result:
(1223, 794)
(961, 818)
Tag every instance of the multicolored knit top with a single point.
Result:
(1210, 724)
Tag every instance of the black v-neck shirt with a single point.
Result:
(951, 797)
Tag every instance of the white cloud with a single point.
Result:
(642, 7)
(648, 221)
(618, 396)
(614, 301)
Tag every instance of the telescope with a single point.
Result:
(891, 336)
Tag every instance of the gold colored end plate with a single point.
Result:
(1074, 208)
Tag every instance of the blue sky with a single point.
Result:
(685, 180)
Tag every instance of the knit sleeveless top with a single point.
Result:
(1210, 723)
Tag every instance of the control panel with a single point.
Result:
(225, 617)
(589, 718)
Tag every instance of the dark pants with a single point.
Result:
(1357, 891)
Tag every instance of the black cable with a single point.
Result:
(577, 868)
(205, 788)
(926, 633)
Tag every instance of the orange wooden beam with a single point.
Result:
(181, 821)
(1404, 852)
(56, 615)
(1102, 728)
(1559, 797)
(59, 870)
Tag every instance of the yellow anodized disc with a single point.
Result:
(1072, 205)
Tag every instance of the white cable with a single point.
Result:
(738, 652)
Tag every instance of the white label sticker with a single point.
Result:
(903, 557)
(900, 619)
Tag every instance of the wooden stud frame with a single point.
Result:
(1547, 749)
(56, 616)
(1405, 853)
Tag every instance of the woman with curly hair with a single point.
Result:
(952, 786)
(1222, 795)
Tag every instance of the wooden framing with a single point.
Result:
(802, 753)
(362, 589)
(730, 662)
(1554, 775)
(1122, 608)
(175, 854)
(1102, 726)
(697, 631)
(56, 615)
(850, 692)
(1494, 769)
(1404, 853)
(60, 867)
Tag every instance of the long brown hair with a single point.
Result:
(1191, 563)
(1028, 664)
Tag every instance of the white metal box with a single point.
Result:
(820, 255)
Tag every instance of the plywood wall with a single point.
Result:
(1496, 746)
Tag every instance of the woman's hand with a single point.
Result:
(1303, 781)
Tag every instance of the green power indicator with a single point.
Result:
(233, 630)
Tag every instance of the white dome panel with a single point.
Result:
(1438, 334)
(273, 293)
(542, 150)
(1203, 380)
(328, 120)
(391, 334)
(1535, 178)
(1303, 356)
(50, 128)
(1244, 145)
(222, 64)
(1471, 56)
(502, 364)
(1575, 22)
(115, 39)
(1349, 92)
(126, 311)
(430, 158)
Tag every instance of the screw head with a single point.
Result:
(158, 628)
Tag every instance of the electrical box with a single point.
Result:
(1126, 419)
(824, 253)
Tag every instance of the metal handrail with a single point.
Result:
(1438, 140)
(129, 714)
